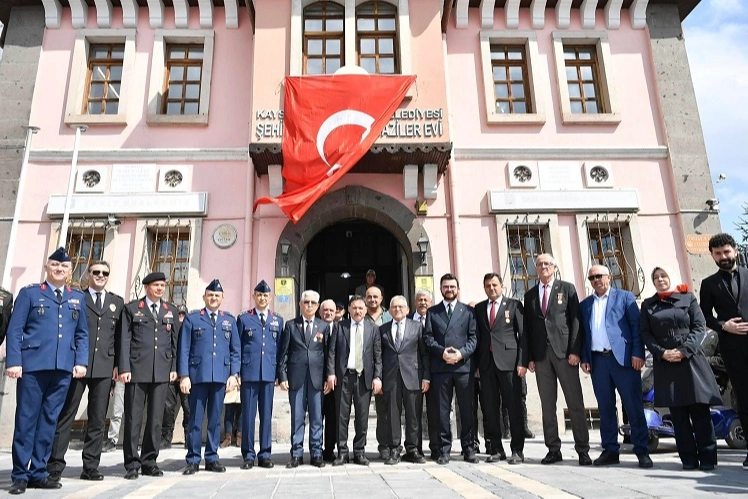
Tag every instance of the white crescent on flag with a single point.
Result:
(341, 118)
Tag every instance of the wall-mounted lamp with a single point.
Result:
(285, 247)
(423, 248)
(713, 204)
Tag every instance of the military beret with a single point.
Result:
(153, 277)
(60, 255)
(371, 272)
(262, 287)
(339, 305)
(215, 285)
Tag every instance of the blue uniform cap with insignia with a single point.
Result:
(262, 287)
(215, 285)
(60, 255)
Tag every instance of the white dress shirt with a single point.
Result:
(541, 290)
(600, 339)
(93, 295)
(352, 344)
(393, 331)
(453, 303)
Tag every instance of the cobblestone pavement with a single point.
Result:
(431, 481)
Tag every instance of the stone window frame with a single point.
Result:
(534, 64)
(162, 37)
(608, 92)
(350, 58)
(76, 95)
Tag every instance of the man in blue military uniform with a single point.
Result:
(208, 366)
(260, 330)
(47, 341)
(146, 354)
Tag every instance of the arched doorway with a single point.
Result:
(339, 256)
(356, 205)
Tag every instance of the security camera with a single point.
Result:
(113, 221)
(713, 204)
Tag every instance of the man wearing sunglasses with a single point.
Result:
(103, 310)
(613, 355)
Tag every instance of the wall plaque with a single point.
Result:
(133, 178)
(224, 236)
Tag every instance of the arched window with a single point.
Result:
(376, 37)
(323, 38)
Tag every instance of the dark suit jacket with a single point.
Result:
(103, 326)
(500, 344)
(337, 360)
(560, 325)
(716, 298)
(148, 347)
(622, 325)
(296, 357)
(458, 332)
(411, 360)
(6, 306)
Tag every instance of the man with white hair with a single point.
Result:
(301, 372)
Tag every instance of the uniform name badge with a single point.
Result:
(227, 334)
(41, 310)
(112, 307)
(560, 298)
(275, 334)
(506, 316)
(75, 315)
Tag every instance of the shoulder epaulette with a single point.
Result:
(248, 311)
(224, 312)
(33, 285)
(195, 311)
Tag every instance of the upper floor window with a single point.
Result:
(84, 248)
(324, 39)
(104, 80)
(184, 68)
(376, 37)
(582, 79)
(510, 79)
(172, 256)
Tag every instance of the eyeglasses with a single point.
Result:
(398, 306)
(105, 273)
(596, 276)
(545, 264)
(309, 302)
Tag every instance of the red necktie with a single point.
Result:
(492, 315)
(544, 305)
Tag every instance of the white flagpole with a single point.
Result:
(62, 240)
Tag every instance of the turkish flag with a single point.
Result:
(329, 123)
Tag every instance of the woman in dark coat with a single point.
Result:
(672, 327)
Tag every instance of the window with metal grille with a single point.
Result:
(104, 78)
(607, 248)
(324, 38)
(377, 37)
(525, 243)
(510, 79)
(582, 79)
(84, 248)
(182, 82)
(171, 255)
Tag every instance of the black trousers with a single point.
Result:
(734, 350)
(138, 396)
(395, 401)
(445, 385)
(93, 440)
(694, 434)
(502, 388)
(432, 423)
(353, 392)
(175, 398)
(330, 418)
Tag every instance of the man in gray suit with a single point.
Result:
(355, 362)
(405, 377)
(552, 348)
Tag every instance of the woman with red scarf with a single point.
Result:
(673, 327)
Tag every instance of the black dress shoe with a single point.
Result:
(293, 462)
(470, 457)
(495, 458)
(584, 459)
(109, 446)
(606, 458)
(745, 463)
(434, 456)
(55, 476)
(443, 459)
(516, 458)
(707, 467)
(690, 467)
(414, 457)
(153, 471)
(18, 487)
(131, 474)
(360, 460)
(191, 469)
(248, 465)
(384, 454)
(215, 467)
(328, 457)
(552, 457)
(265, 463)
(340, 461)
(93, 474)
(317, 462)
(644, 461)
(393, 459)
(529, 433)
(44, 483)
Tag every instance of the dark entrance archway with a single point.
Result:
(339, 256)
(362, 205)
